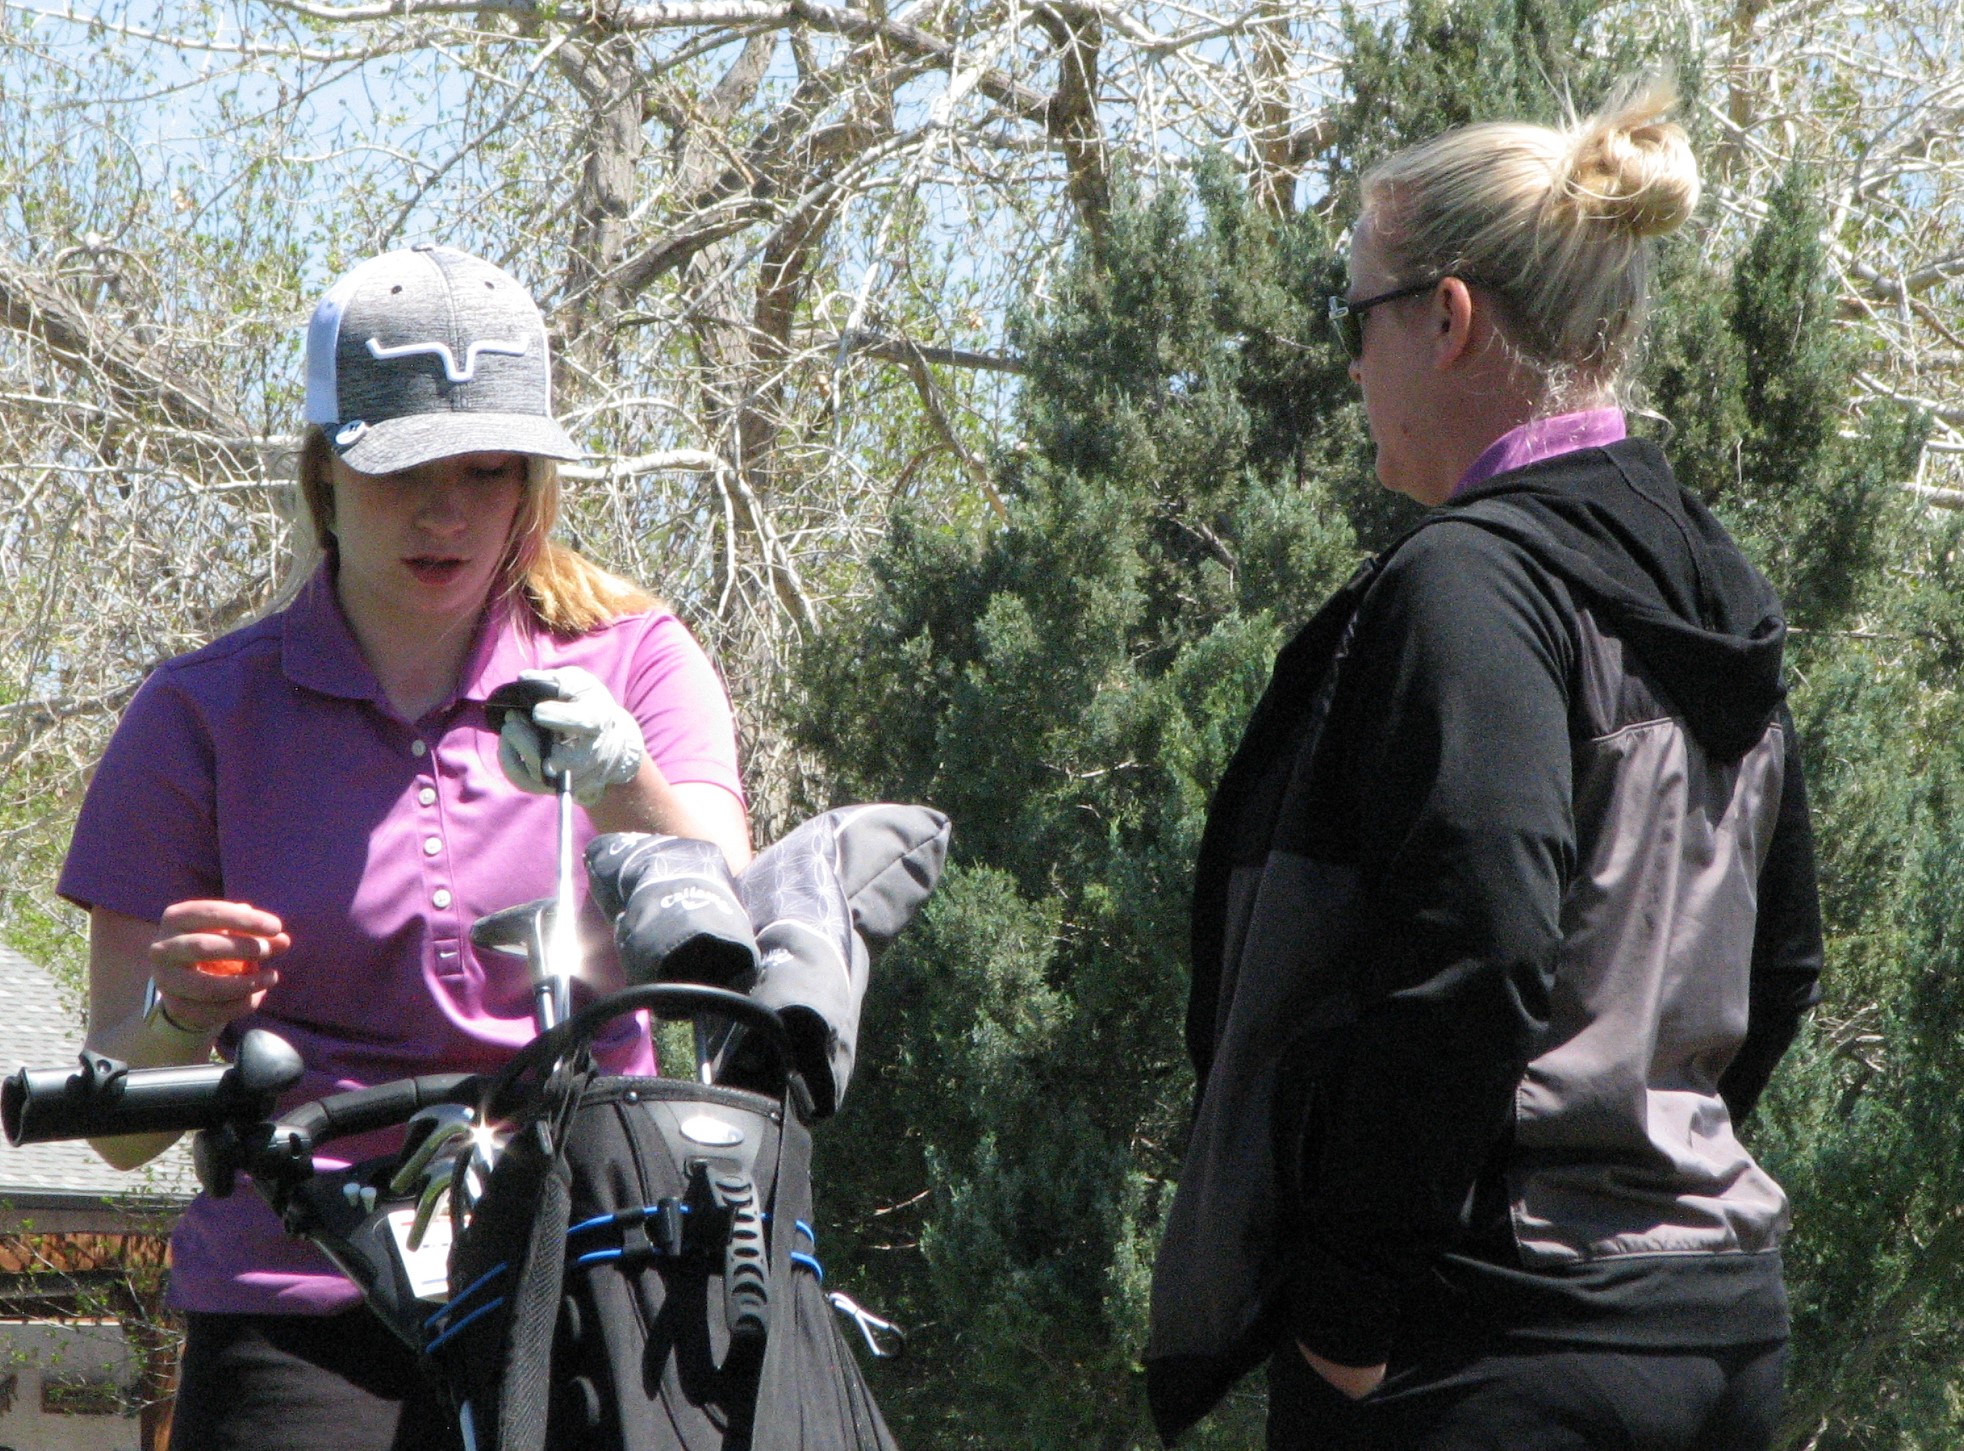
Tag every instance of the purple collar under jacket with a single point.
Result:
(1543, 438)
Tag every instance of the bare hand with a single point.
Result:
(206, 931)
(1355, 1381)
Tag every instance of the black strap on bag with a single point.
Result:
(524, 1396)
(492, 1342)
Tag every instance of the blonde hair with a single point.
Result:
(566, 592)
(1555, 224)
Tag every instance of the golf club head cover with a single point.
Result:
(676, 914)
(817, 897)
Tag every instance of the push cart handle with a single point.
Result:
(103, 1098)
(664, 1000)
(384, 1106)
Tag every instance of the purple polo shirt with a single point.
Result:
(270, 768)
(1543, 438)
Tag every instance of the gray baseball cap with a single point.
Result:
(426, 353)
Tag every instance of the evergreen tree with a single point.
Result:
(1068, 688)
(1191, 477)
(1752, 379)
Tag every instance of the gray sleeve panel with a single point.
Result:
(1622, 1140)
(1787, 940)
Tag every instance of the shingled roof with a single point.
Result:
(65, 1186)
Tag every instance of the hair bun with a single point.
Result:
(1627, 167)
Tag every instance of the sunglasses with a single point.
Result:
(1347, 317)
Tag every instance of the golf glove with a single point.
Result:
(584, 731)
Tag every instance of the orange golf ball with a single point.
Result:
(226, 966)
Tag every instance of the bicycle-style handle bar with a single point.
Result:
(383, 1106)
(101, 1098)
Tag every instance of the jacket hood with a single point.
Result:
(1615, 525)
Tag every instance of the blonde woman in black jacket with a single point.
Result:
(1506, 905)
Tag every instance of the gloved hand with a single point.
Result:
(592, 736)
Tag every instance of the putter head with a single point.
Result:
(677, 916)
(517, 931)
(527, 931)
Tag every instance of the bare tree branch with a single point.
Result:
(31, 305)
(904, 351)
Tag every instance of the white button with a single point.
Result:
(418, 748)
(441, 897)
(432, 845)
(427, 796)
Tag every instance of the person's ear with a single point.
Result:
(1452, 321)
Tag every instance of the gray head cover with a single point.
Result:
(820, 901)
(427, 353)
(818, 898)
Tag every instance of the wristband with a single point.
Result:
(155, 1013)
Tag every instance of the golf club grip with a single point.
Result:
(43, 1105)
(517, 695)
(383, 1106)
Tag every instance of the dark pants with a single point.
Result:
(1556, 1399)
(303, 1383)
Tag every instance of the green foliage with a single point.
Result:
(1438, 64)
(1068, 688)
(1191, 478)
(1861, 1125)
(1758, 373)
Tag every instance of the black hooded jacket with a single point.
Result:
(1410, 856)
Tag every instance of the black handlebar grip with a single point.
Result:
(42, 1105)
(102, 1098)
(384, 1106)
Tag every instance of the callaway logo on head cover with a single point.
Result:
(689, 899)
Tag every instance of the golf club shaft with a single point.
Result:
(705, 1053)
(563, 950)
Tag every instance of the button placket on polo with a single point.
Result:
(445, 945)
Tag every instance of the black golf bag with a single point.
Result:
(641, 1269)
(637, 1268)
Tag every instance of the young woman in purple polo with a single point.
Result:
(318, 797)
